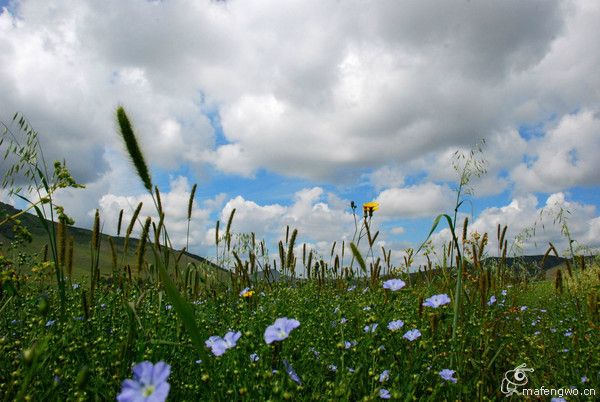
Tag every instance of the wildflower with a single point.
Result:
(50, 323)
(395, 325)
(370, 207)
(219, 345)
(584, 379)
(247, 294)
(394, 284)
(536, 333)
(351, 370)
(492, 300)
(384, 394)
(280, 329)
(343, 320)
(349, 344)
(568, 333)
(315, 352)
(436, 301)
(447, 374)
(231, 338)
(384, 376)
(351, 288)
(523, 308)
(75, 286)
(198, 361)
(291, 372)
(504, 292)
(216, 344)
(149, 383)
(168, 307)
(254, 357)
(332, 367)
(371, 328)
(412, 334)
(366, 308)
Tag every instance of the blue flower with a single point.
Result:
(149, 383)
(394, 284)
(50, 323)
(384, 394)
(384, 376)
(371, 328)
(447, 374)
(436, 301)
(412, 335)
(492, 300)
(332, 367)
(219, 345)
(349, 344)
(584, 379)
(280, 329)
(395, 325)
(254, 357)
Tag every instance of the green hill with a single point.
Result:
(21, 251)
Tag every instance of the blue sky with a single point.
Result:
(289, 111)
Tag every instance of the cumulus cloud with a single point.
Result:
(421, 200)
(309, 89)
(532, 226)
(566, 156)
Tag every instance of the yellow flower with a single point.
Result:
(369, 207)
(248, 293)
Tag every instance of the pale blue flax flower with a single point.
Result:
(394, 284)
(395, 325)
(412, 335)
(280, 329)
(436, 301)
(447, 375)
(149, 383)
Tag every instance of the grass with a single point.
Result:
(493, 339)
(75, 337)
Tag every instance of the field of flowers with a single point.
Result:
(302, 341)
(367, 330)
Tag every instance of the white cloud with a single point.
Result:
(309, 89)
(566, 156)
(531, 226)
(415, 201)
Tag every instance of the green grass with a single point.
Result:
(493, 339)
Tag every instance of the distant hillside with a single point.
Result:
(81, 246)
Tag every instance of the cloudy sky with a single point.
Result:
(289, 110)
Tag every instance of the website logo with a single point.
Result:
(514, 379)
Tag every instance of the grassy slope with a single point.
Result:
(81, 247)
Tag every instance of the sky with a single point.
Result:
(288, 111)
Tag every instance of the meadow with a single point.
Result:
(140, 322)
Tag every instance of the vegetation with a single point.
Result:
(352, 327)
